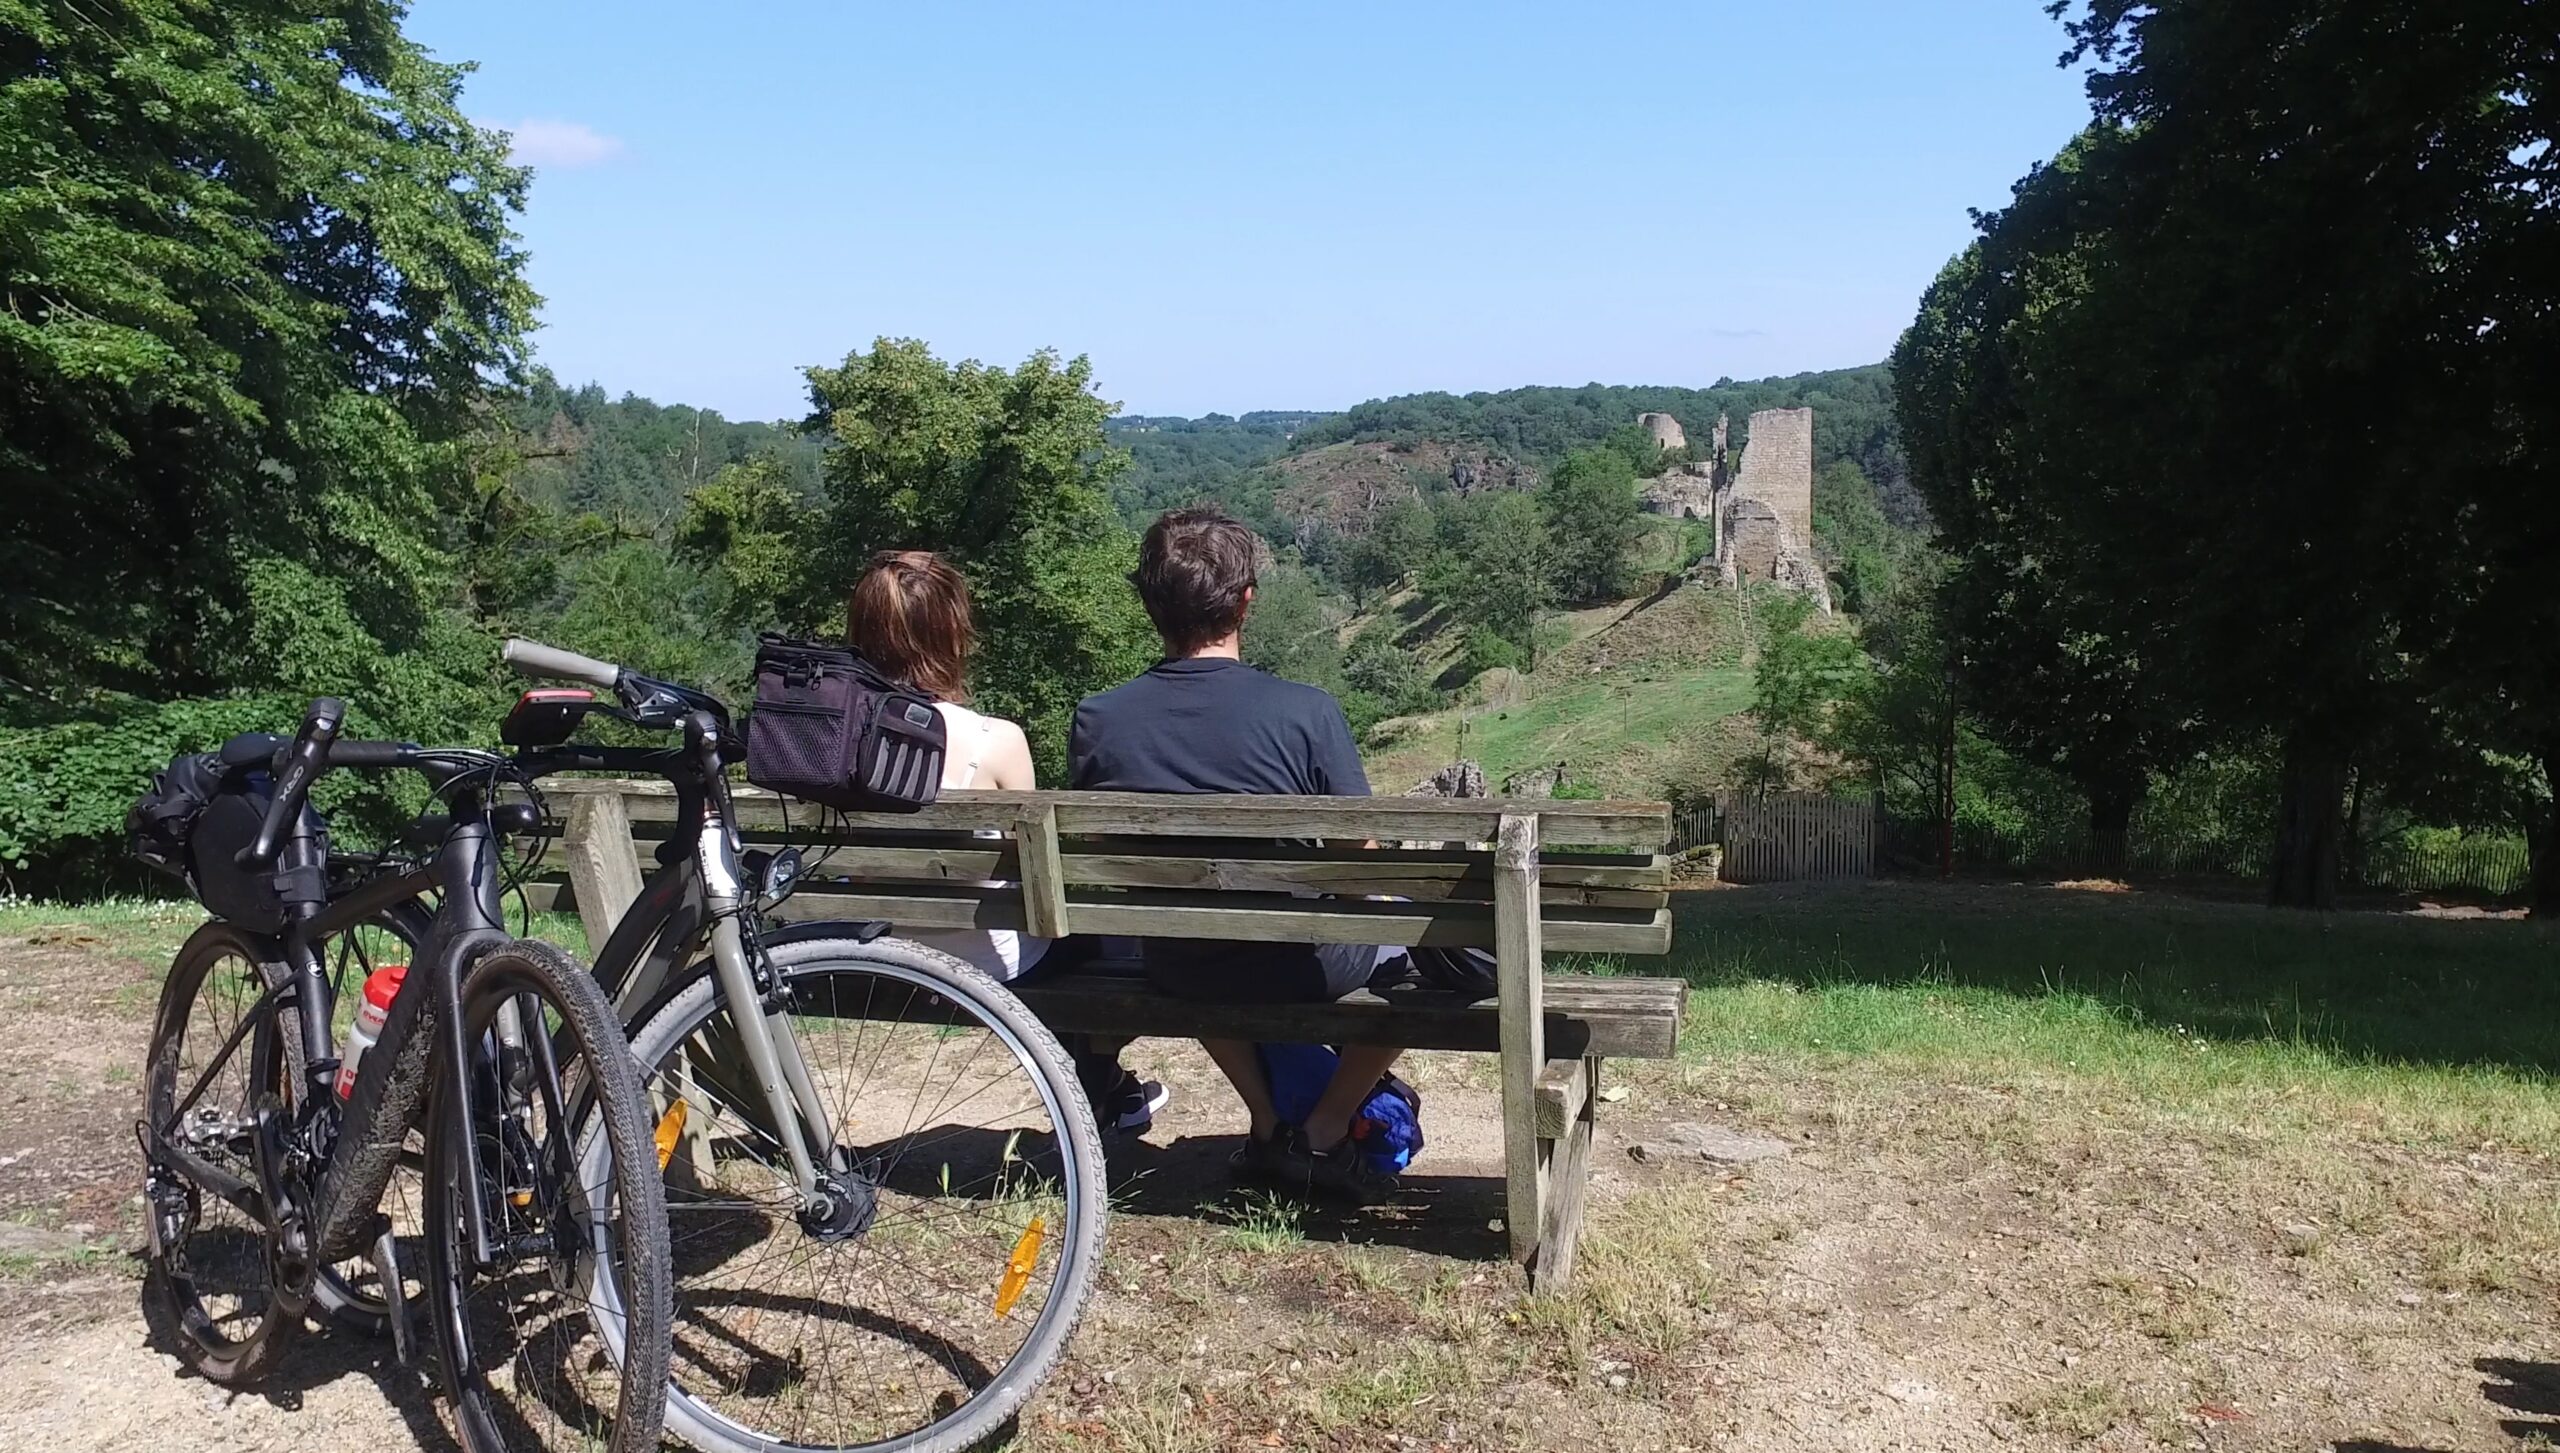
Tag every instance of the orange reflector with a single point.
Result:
(1017, 1268)
(670, 1129)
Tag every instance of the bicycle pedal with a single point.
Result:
(395, 1298)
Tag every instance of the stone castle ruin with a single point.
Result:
(1762, 513)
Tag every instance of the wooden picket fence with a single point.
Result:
(1786, 837)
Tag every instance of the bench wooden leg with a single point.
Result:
(1568, 1098)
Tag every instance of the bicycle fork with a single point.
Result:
(834, 1199)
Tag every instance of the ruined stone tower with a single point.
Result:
(1666, 431)
(1764, 522)
(1762, 510)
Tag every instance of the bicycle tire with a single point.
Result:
(598, 1093)
(692, 1003)
(235, 1355)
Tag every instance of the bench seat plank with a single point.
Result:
(1220, 916)
(1620, 882)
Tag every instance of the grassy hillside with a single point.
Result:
(1644, 697)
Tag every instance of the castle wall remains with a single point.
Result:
(1777, 466)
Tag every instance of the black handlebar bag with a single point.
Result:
(202, 809)
(827, 726)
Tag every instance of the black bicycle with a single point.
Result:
(499, 1070)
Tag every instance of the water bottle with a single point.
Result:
(380, 988)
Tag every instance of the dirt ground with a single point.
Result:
(1932, 1265)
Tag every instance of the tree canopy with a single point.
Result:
(259, 279)
(1009, 474)
(2218, 451)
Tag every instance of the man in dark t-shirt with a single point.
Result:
(1203, 721)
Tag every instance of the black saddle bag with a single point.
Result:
(827, 726)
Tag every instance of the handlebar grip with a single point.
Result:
(371, 754)
(532, 658)
(303, 760)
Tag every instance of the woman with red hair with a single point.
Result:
(909, 616)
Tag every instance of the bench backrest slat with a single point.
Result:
(1645, 825)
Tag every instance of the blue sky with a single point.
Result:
(1234, 207)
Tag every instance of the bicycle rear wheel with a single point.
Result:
(215, 1061)
(523, 1341)
(966, 1213)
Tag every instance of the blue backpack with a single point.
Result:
(1388, 1127)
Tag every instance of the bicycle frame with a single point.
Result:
(696, 904)
(390, 1086)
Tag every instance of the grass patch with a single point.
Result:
(150, 928)
(2437, 1029)
(1617, 728)
(153, 928)
(1265, 1224)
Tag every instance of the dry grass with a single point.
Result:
(2069, 1170)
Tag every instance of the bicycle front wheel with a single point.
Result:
(521, 1335)
(937, 1285)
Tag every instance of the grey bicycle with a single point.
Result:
(884, 1188)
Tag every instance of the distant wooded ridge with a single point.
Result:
(636, 458)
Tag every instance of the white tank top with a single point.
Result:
(1002, 953)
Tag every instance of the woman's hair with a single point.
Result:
(909, 616)
(1194, 568)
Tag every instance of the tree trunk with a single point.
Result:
(1946, 792)
(2353, 859)
(2110, 818)
(2544, 846)
(2305, 871)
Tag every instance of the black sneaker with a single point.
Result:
(1270, 1162)
(1130, 1107)
(1287, 1163)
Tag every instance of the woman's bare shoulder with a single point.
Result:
(1010, 752)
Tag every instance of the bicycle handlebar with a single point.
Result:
(532, 658)
(302, 762)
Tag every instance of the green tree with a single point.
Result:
(1383, 678)
(1492, 570)
(1396, 544)
(1007, 472)
(750, 524)
(1800, 677)
(256, 282)
(1290, 631)
(2240, 450)
(257, 271)
(1903, 718)
(1592, 516)
(1862, 550)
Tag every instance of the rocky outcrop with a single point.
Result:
(1534, 782)
(1458, 779)
(1341, 489)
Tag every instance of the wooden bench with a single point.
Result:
(1474, 873)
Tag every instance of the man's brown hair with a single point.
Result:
(1194, 568)
(909, 616)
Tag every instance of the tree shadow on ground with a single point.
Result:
(2374, 986)
(2519, 1386)
(2524, 1387)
